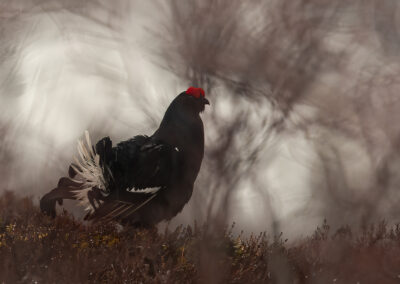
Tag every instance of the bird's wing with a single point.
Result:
(144, 165)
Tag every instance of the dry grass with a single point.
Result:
(35, 248)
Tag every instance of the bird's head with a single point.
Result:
(193, 99)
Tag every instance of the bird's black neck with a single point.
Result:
(182, 130)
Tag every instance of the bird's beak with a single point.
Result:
(206, 102)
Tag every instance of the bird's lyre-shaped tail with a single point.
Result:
(86, 181)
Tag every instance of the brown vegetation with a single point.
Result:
(35, 248)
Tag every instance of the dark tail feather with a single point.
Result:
(64, 190)
(104, 149)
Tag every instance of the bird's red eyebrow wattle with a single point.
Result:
(195, 92)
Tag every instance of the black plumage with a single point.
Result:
(143, 180)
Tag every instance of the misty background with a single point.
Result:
(303, 123)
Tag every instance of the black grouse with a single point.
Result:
(143, 180)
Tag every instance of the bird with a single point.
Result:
(143, 180)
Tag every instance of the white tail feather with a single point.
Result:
(89, 171)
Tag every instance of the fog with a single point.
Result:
(304, 100)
